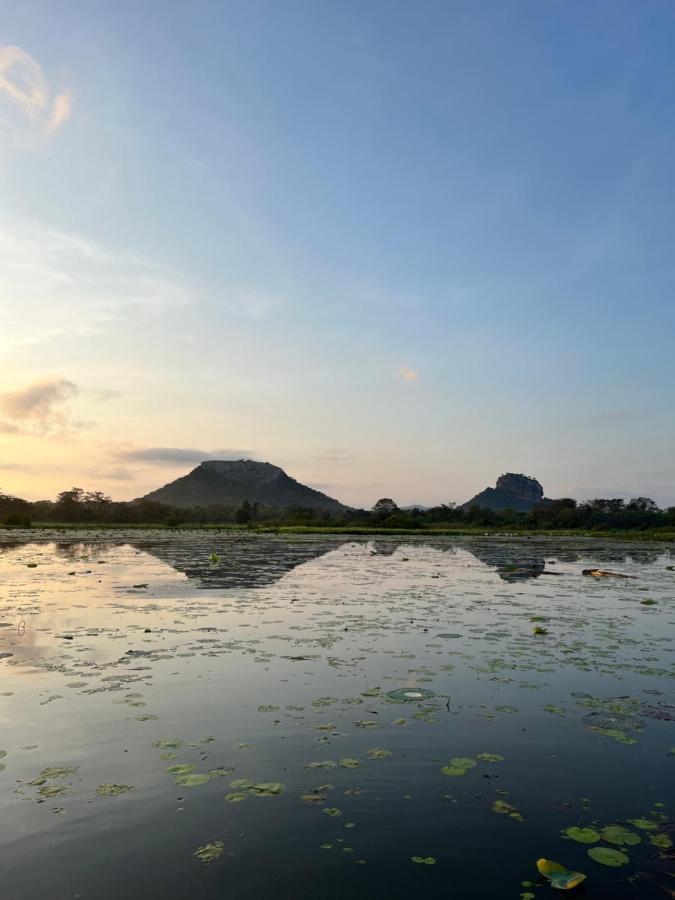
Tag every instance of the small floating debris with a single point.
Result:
(603, 573)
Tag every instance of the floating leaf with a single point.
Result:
(561, 878)
(409, 695)
(168, 744)
(192, 780)
(267, 788)
(662, 841)
(209, 852)
(502, 808)
(644, 824)
(458, 765)
(582, 835)
(378, 753)
(112, 790)
(424, 860)
(617, 834)
(489, 757)
(180, 769)
(607, 856)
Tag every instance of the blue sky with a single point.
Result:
(397, 248)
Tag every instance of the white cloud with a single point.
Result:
(39, 408)
(25, 95)
(54, 284)
(61, 111)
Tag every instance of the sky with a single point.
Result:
(396, 248)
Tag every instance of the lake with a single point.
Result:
(205, 715)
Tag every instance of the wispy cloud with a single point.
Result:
(39, 408)
(173, 456)
(61, 111)
(410, 375)
(54, 284)
(27, 96)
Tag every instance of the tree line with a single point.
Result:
(80, 506)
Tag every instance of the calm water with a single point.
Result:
(267, 670)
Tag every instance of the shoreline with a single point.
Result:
(637, 536)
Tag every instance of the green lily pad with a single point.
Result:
(458, 765)
(378, 753)
(209, 852)
(502, 808)
(409, 695)
(489, 757)
(607, 856)
(180, 769)
(112, 790)
(424, 860)
(168, 744)
(268, 789)
(617, 834)
(236, 797)
(644, 824)
(349, 763)
(332, 811)
(192, 780)
(582, 835)
(662, 841)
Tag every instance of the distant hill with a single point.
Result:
(518, 492)
(230, 482)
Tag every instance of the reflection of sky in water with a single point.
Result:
(279, 623)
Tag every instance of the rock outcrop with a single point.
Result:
(512, 491)
(230, 482)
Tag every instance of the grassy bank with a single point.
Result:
(667, 536)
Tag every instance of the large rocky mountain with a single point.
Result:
(230, 482)
(518, 492)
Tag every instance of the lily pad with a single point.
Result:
(458, 765)
(112, 790)
(582, 835)
(209, 852)
(378, 753)
(617, 834)
(192, 780)
(607, 856)
(268, 789)
(644, 824)
(662, 841)
(561, 878)
(424, 860)
(409, 695)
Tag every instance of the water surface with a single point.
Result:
(313, 690)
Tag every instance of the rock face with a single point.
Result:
(519, 492)
(230, 482)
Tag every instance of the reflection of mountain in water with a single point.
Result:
(243, 562)
(251, 561)
(513, 562)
